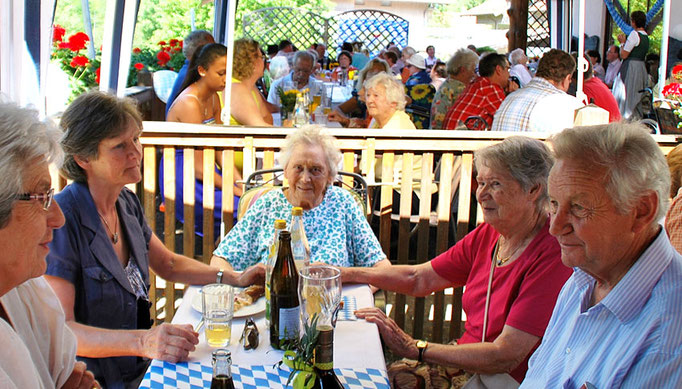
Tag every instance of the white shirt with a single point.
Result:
(273, 97)
(611, 72)
(39, 350)
(521, 71)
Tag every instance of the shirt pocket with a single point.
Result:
(103, 298)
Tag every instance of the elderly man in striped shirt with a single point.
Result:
(618, 320)
(543, 104)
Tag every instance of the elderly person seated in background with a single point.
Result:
(385, 99)
(335, 225)
(247, 105)
(519, 66)
(510, 258)
(461, 70)
(301, 76)
(617, 320)
(353, 112)
(345, 58)
(39, 349)
(99, 262)
(416, 66)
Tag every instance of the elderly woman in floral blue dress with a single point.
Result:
(337, 230)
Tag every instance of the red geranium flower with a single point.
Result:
(672, 89)
(177, 49)
(97, 75)
(162, 43)
(163, 58)
(77, 41)
(64, 45)
(58, 33)
(173, 42)
(677, 69)
(181, 44)
(137, 50)
(139, 66)
(79, 60)
(166, 49)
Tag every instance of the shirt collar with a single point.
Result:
(628, 297)
(540, 82)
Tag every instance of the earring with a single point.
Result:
(202, 74)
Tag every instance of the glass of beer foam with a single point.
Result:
(217, 303)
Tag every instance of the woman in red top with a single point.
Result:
(341, 72)
(512, 250)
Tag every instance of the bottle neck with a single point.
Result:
(324, 350)
(222, 367)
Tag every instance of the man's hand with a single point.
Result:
(395, 338)
(336, 116)
(252, 275)
(81, 378)
(169, 342)
(621, 38)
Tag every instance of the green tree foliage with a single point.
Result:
(69, 14)
(161, 20)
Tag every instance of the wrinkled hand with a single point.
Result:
(395, 338)
(336, 116)
(81, 378)
(169, 342)
(621, 38)
(252, 275)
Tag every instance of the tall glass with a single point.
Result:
(217, 303)
(327, 92)
(319, 290)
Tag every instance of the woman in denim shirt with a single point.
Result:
(99, 261)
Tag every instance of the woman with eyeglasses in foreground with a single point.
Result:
(100, 260)
(39, 349)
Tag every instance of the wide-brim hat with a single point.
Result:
(417, 61)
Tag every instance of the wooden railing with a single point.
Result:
(431, 229)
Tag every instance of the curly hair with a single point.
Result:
(555, 65)
(246, 52)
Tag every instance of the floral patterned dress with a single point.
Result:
(444, 99)
(337, 231)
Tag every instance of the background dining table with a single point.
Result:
(358, 356)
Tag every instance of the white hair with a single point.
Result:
(395, 91)
(279, 67)
(23, 139)
(312, 135)
(633, 161)
(463, 59)
(516, 56)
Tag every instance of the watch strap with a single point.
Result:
(421, 347)
(219, 277)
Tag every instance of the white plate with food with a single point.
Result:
(247, 301)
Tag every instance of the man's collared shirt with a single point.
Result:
(539, 107)
(631, 339)
(480, 98)
(611, 72)
(273, 96)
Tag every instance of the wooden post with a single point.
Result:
(518, 24)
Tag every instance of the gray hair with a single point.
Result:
(23, 139)
(91, 118)
(463, 59)
(516, 56)
(194, 40)
(370, 65)
(395, 91)
(409, 51)
(312, 135)
(527, 160)
(633, 161)
(305, 54)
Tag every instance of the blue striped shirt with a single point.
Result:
(632, 338)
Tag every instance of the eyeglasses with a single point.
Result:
(45, 198)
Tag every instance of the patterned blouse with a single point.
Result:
(337, 231)
(444, 99)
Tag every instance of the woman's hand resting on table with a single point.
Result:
(252, 275)
(394, 337)
(169, 342)
(81, 378)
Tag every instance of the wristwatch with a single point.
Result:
(219, 277)
(421, 347)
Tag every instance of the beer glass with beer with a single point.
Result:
(319, 290)
(217, 302)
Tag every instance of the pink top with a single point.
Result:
(523, 293)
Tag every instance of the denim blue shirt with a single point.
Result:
(421, 77)
(176, 86)
(632, 338)
(81, 253)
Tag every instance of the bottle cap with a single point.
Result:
(222, 353)
(297, 211)
(280, 224)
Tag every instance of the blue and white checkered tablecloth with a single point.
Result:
(193, 375)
